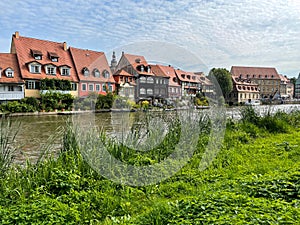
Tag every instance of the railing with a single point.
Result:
(56, 91)
(11, 95)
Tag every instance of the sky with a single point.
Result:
(188, 34)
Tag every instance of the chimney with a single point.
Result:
(17, 34)
(65, 46)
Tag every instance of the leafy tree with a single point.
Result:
(224, 79)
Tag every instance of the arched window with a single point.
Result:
(9, 72)
(142, 79)
(86, 72)
(150, 80)
(96, 72)
(50, 69)
(149, 91)
(142, 91)
(105, 74)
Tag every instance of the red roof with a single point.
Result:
(255, 72)
(188, 76)
(91, 60)
(166, 71)
(123, 73)
(135, 61)
(8, 60)
(25, 47)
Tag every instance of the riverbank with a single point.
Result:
(253, 180)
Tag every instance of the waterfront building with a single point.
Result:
(286, 87)
(125, 84)
(11, 83)
(297, 87)
(40, 59)
(190, 82)
(93, 72)
(148, 86)
(267, 78)
(244, 91)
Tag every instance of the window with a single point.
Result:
(10, 88)
(104, 87)
(35, 68)
(9, 72)
(156, 91)
(149, 91)
(142, 91)
(97, 87)
(74, 86)
(110, 88)
(53, 56)
(105, 74)
(91, 87)
(86, 72)
(65, 71)
(96, 73)
(142, 79)
(51, 70)
(36, 54)
(150, 80)
(83, 87)
(31, 84)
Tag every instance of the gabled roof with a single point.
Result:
(136, 61)
(25, 47)
(188, 76)
(122, 73)
(255, 72)
(8, 60)
(166, 71)
(91, 60)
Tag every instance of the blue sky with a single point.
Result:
(191, 34)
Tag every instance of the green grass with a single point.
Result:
(255, 179)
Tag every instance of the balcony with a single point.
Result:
(11, 95)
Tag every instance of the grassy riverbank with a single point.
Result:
(253, 180)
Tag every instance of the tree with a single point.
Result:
(224, 79)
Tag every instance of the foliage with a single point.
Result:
(224, 79)
(105, 101)
(253, 180)
(55, 100)
(55, 84)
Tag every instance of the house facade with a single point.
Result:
(190, 82)
(11, 83)
(286, 87)
(297, 87)
(40, 59)
(148, 85)
(244, 90)
(267, 78)
(125, 84)
(93, 72)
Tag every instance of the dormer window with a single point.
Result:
(65, 71)
(188, 77)
(86, 72)
(193, 77)
(36, 54)
(183, 76)
(35, 67)
(96, 73)
(53, 56)
(105, 74)
(50, 70)
(9, 72)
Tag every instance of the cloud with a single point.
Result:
(221, 33)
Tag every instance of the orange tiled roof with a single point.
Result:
(8, 60)
(25, 47)
(255, 72)
(91, 60)
(135, 61)
(122, 73)
(188, 76)
(245, 84)
(167, 71)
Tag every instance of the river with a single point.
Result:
(38, 132)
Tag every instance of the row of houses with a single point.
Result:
(31, 60)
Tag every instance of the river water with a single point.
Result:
(36, 133)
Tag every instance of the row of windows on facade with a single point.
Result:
(149, 91)
(243, 95)
(32, 84)
(150, 80)
(96, 87)
(271, 82)
(259, 76)
(39, 56)
(49, 69)
(96, 73)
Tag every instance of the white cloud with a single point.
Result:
(221, 33)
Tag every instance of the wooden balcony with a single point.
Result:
(11, 95)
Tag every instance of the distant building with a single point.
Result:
(93, 72)
(148, 85)
(125, 84)
(11, 83)
(267, 79)
(39, 59)
(286, 87)
(190, 82)
(297, 87)
(244, 90)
